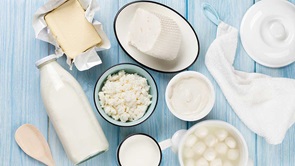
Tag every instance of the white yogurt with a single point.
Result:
(189, 93)
(139, 150)
(190, 96)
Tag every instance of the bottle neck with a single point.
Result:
(46, 63)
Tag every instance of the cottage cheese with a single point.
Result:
(125, 96)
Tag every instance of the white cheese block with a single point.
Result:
(155, 35)
(70, 28)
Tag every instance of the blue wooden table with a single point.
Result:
(20, 100)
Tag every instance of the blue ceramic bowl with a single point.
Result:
(128, 68)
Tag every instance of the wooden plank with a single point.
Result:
(162, 124)
(283, 154)
(19, 93)
(87, 79)
(231, 12)
(20, 99)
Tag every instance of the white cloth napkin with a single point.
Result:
(265, 104)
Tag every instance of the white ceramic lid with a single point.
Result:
(189, 49)
(268, 32)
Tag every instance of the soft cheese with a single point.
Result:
(125, 96)
(155, 35)
(70, 28)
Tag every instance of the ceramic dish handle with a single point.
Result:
(211, 13)
(165, 144)
(173, 142)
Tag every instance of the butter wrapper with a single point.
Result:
(85, 60)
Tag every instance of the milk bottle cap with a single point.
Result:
(45, 59)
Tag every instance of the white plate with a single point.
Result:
(268, 32)
(189, 49)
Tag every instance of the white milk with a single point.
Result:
(70, 112)
(139, 150)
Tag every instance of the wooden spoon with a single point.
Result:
(32, 142)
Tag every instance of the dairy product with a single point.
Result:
(71, 30)
(233, 154)
(221, 134)
(230, 142)
(191, 140)
(208, 149)
(202, 162)
(139, 150)
(155, 34)
(210, 154)
(70, 112)
(221, 148)
(125, 96)
(190, 162)
(188, 153)
(216, 162)
(210, 140)
(189, 95)
(201, 132)
(199, 148)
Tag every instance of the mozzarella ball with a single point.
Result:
(233, 154)
(227, 163)
(191, 140)
(230, 142)
(216, 162)
(188, 153)
(209, 154)
(201, 132)
(221, 148)
(199, 148)
(211, 140)
(202, 162)
(189, 162)
(221, 134)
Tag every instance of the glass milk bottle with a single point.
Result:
(70, 112)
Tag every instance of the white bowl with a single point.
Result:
(244, 155)
(189, 49)
(197, 115)
(128, 68)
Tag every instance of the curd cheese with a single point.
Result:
(125, 96)
(155, 34)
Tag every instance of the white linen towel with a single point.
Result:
(265, 104)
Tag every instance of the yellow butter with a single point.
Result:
(70, 28)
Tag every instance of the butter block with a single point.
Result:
(71, 30)
(155, 34)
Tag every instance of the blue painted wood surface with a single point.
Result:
(20, 100)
